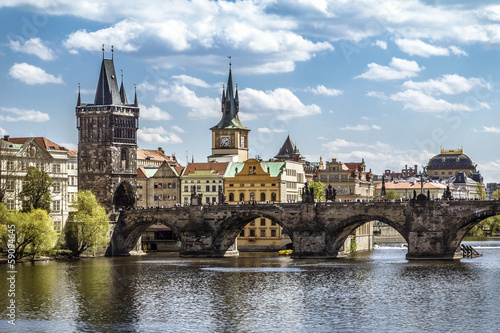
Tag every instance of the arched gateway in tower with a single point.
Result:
(107, 142)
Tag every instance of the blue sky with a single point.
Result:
(388, 81)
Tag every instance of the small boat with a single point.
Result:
(285, 252)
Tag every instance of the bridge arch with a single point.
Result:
(230, 228)
(336, 236)
(457, 233)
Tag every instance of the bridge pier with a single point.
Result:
(311, 244)
(427, 245)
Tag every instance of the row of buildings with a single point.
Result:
(109, 163)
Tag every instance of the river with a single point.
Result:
(378, 291)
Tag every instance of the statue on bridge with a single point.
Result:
(330, 193)
(222, 197)
(447, 194)
(196, 199)
(307, 194)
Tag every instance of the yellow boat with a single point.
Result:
(285, 252)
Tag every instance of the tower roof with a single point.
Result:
(288, 150)
(107, 92)
(230, 107)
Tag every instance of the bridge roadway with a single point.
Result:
(432, 229)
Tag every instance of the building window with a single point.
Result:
(262, 222)
(57, 187)
(198, 188)
(273, 223)
(231, 196)
(10, 185)
(186, 188)
(242, 233)
(56, 205)
(273, 196)
(214, 188)
(252, 233)
(242, 196)
(262, 197)
(231, 185)
(11, 205)
(262, 233)
(207, 188)
(273, 233)
(10, 165)
(252, 196)
(252, 223)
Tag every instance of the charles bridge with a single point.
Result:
(432, 229)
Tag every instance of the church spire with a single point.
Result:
(107, 92)
(135, 97)
(123, 95)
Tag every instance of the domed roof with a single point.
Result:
(450, 159)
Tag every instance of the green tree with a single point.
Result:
(36, 190)
(319, 190)
(481, 193)
(390, 195)
(496, 194)
(89, 225)
(34, 232)
(489, 226)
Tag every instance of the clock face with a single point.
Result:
(224, 141)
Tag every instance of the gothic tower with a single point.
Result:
(229, 136)
(107, 142)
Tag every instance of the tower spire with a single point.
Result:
(102, 51)
(123, 96)
(135, 97)
(79, 101)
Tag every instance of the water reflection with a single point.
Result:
(377, 291)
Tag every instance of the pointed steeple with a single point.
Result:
(135, 97)
(79, 101)
(107, 92)
(229, 106)
(123, 96)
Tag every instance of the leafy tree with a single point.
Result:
(34, 231)
(390, 195)
(319, 190)
(36, 190)
(481, 193)
(496, 194)
(89, 225)
(491, 224)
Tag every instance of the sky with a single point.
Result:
(391, 82)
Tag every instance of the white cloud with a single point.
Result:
(419, 101)
(377, 94)
(280, 101)
(380, 43)
(186, 79)
(15, 114)
(157, 135)
(200, 107)
(121, 36)
(33, 46)
(322, 90)
(417, 47)
(359, 127)
(397, 69)
(3, 132)
(269, 130)
(30, 74)
(338, 144)
(177, 129)
(70, 146)
(449, 84)
(457, 51)
(489, 129)
(153, 113)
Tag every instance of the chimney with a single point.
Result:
(6, 137)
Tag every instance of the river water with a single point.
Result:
(378, 291)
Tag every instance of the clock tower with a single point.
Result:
(229, 136)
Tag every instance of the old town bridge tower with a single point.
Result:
(107, 142)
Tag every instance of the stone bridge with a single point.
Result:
(433, 229)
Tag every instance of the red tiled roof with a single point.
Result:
(44, 142)
(218, 168)
(141, 173)
(73, 153)
(179, 169)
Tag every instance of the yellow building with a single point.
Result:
(259, 182)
